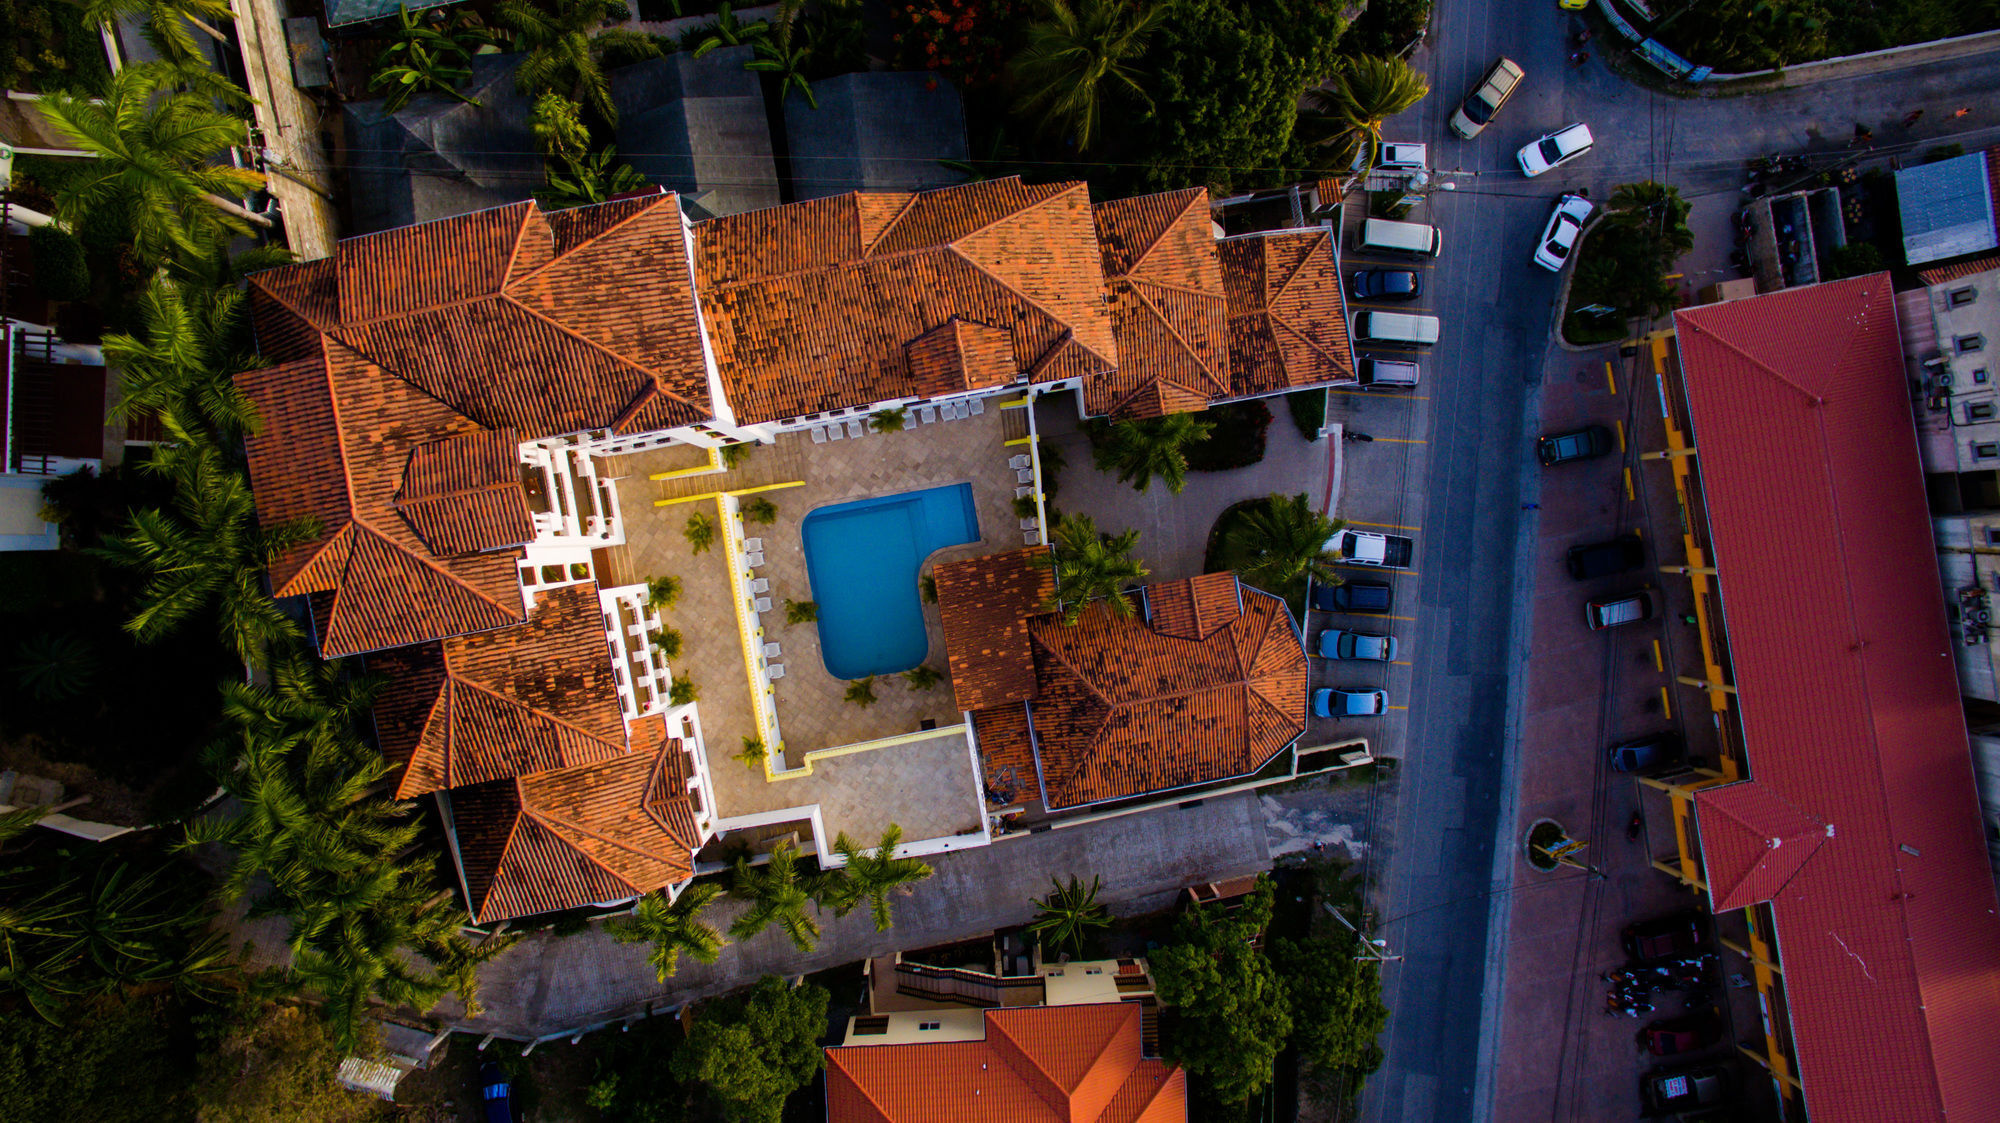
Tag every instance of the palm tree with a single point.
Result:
(182, 364)
(778, 894)
(728, 31)
(167, 23)
(156, 147)
(1277, 543)
(1140, 450)
(1069, 913)
(1076, 54)
(590, 179)
(1349, 110)
(1653, 209)
(204, 554)
(428, 57)
(871, 877)
(1090, 567)
(568, 48)
(672, 927)
(776, 54)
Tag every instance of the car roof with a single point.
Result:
(1576, 135)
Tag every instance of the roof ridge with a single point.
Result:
(862, 1086)
(553, 821)
(579, 852)
(1221, 384)
(454, 678)
(868, 247)
(1166, 228)
(440, 570)
(1159, 1086)
(556, 258)
(1297, 267)
(1721, 340)
(1069, 329)
(586, 341)
(506, 844)
(292, 307)
(1016, 1052)
(1073, 188)
(520, 236)
(1302, 337)
(1110, 1041)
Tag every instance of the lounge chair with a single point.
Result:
(819, 435)
(754, 560)
(777, 671)
(1025, 475)
(760, 585)
(753, 545)
(854, 429)
(978, 406)
(1021, 461)
(833, 432)
(762, 605)
(772, 650)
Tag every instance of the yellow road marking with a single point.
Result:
(1658, 663)
(1402, 440)
(1629, 495)
(1621, 435)
(1667, 703)
(1609, 379)
(1399, 707)
(1391, 526)
(1403, 663)
(1381, 616)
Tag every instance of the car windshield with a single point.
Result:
(1556, 248)
(1477, 111)
(1550, 150)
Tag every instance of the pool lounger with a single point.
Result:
(1025, 475)
(833, 433)
(753, 545)
(926, 415)
(760, 585)
(772, 650)
(1019, 462)
(854, 429)
(754, 560)
(819, 435)
(777, 671)
(762, 605)
(978, 406)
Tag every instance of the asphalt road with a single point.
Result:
(1439, 890)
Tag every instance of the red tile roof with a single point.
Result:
(506, 703)
(1287, 315)
(1206, 682)
(813, 306)
(1037, 1064)
(407, 362)
(1945, 274)
(1849, 703)
(577, 836)
(1164, 285)
(984, 605)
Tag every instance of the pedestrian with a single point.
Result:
(1912, 117)
(1862, 135)
(1962, 112)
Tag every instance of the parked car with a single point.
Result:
(1385, 284)
(1587, 443)
(1339, 643)
(1691, 1032)
(1554, 150)
(1602, 559)
(1394, 156)
(1476, 112)
(1668, 1090)
(1656, 751)
(1387, 374)
(1674, 936)
(497, 1093)
(1354, 596)
(1560, 235)
(1602, 614)
(1334, 702)
(1366, 547)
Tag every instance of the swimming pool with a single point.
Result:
(862, 559)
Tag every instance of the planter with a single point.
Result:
(1543, 832)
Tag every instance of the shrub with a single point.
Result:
(1236, 439)
(801, 612)
(890, 420)
(667, 642)
(923, 676)
(1385, 27)
(700, 532)
(861, 692)
(1308, 410)
(761, 511)
(1024, 507)
(752, 753)
(732, 455)
(61, 273)
(682, 691)
(965, 40)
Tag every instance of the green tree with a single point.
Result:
(428, 57)
(672, 927)
(1090, 567)
(54, 666)
(760, 510)
(1349, 110)
(781, 54)
(181, 362)
(727, 31)
(167, 23)
(1336, 1001)
(62, 272)
(750, 1053)
(777, 893)
(682, 690)
(752, 755)
(202, 556)
(158, 150)
(1230, 1013)
(586, 180)
(1278, 543)
(126, 1058)
(889, 420)
(923, 676)
(557, 123)
(568, 48)
(1069, 913)
(1075, 53)
(699, 531)
(1653, 210)
(662, 592)
(870, 876)
(801, 612)
(666, 641)
(1140, 450)
(861, 692)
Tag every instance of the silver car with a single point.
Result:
(1554, 150)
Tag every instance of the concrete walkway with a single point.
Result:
(550, 984)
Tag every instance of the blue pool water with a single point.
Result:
(863, 558)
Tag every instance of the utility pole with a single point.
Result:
(1371, 949)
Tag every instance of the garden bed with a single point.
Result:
(1236, 441)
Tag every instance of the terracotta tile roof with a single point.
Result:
(1945, 274)
(813, 306)
(1759, 842)
(1122, 709)
(506, 703)
(1007, 756)
(960, 355)
(1195, 608)
(1287, 315)
(1163, 282)
(984, 604)
(1037, 1064)
(407, 361)
(579, 835)
(1850, 706)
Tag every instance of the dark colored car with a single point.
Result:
(1602, 559)
(1386, 284)
(1691, 1032)
(1646, 753)
(497, 1093)
(1353, 596)
(1675, 936)
(1669, 1090)
(1587, 443)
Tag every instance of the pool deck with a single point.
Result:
(929, 786)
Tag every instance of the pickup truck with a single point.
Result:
(1362, 547)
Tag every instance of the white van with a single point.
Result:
(1405, 328)
(1412, 239)
(1386, 374)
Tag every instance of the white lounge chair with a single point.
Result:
(819, 435)
(760, 585)
(1031, 537)
(1024, 491)
(833, 432)
(754, 560)
(762, 605)
(772, 650)
(753, 545)
(1025, 475)
(958, 411)
(1021, 461)
(978, 406)
(1030, 524)
(854, 429)
(926, 415)
(777, 671)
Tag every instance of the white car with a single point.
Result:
(1559, 237)
(1555, 149)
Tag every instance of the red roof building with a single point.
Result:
(1858, 823)
(1034, 1064)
